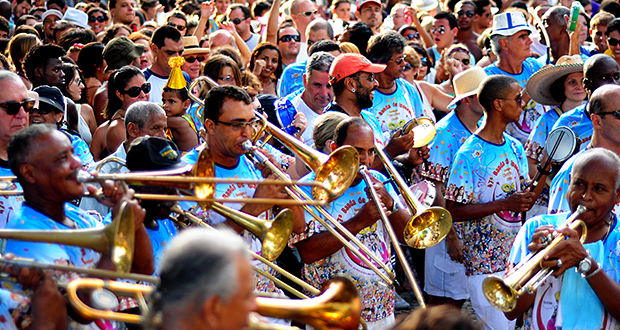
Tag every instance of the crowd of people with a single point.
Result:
(461, 96)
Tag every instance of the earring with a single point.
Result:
(353, 90)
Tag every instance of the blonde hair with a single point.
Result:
(325, 128)
(348, 47)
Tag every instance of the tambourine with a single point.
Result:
(425, 192)
(423, 131)
(285, 112)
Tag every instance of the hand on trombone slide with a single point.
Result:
(370, 208)
(113, 193)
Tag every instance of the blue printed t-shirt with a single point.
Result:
(484, 172)
(292, 78)
(243, 170)
(521, 129)
(195, 111)
(451, 134)
(370, 119)
(377, 297)
(80, 149)
(396, 109)
(9, 205)
(579, 122)
(545, 311)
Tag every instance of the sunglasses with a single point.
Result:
(412, 36)
(407, 67)
(613, 42)
(465, 61)
(12, 107)
(240, 125)
(179, 27)
(94, 19)
(307, 13)
(226, 79)
(517, 99)
(440, 30)
(468, 13)
(399, 60)
(616, 113)
(424, 61)
(237, 21)
(193, 59)
(289, 37)
(43, 109)
(135, 90)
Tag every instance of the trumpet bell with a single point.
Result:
(204, 168)
(500, 295)
(275, 239)
(338, 172)
(423, 131)
(428, 228)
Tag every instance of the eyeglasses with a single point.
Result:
(94, 19)
(308, 13)
(193, 59)
(517, 99)
(13, 107)
(43, 109)
(399, 60)
(407, 67)
(440, 30)
(237, 21)
(465, 61)
(135, 90)
(616, 113)
(289, 37)
(468, 13)
(412, 36)
(179, 27)
(226, 79)
(613, 42)
(240, 125)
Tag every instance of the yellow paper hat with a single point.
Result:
(176, 79)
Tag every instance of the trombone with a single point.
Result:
(297, 194)
(527, 276)
(115, 240)
(338, 307)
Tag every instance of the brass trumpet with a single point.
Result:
(338, 307)
(527, 276)
(115, 240)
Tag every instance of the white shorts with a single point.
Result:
(490, 317)
(442, 276)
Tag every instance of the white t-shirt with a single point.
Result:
(311, 117)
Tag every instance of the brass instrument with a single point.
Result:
(390, 230)
(297, 194)
(423, 131)
(337, 171)
(428, 226)
(528, 275)
(115, 240)
(338, 307)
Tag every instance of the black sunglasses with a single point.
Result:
(307, 13)
(468, 13)
(43, 109)
(407, 67)
(179, 27)
(289, 37)
(94, 19)
(465, 61)
(135, 90)
(412, 36)
(616, 113)
(613, 42)
(237, 21)
(12, 107)
(193, 59)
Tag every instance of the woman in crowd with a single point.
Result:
(97, 19)
(194, 56)
(93, 65)
(455, 60)
(266, 64)
(74, 89)
(126, 86)
(146, 59)
(117, 30)
(17, 49)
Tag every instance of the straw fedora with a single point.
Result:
(466, 83)
(191, 46)
(424, 5)
(539, 84)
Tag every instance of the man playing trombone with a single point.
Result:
(585, 297)
(43, 160)
(325, 256)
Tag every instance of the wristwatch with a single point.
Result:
(584, 265)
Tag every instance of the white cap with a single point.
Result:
(507, 24)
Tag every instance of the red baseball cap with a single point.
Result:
(360, 3)
(347, 64)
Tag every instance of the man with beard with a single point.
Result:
(43, 66)
(369, 12)
(487, 175)
(467, 17)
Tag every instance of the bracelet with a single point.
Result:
(542, 170)
(594, 272)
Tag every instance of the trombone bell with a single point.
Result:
(428, 228)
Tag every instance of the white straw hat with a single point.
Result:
(539, 84)
(466, 83)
